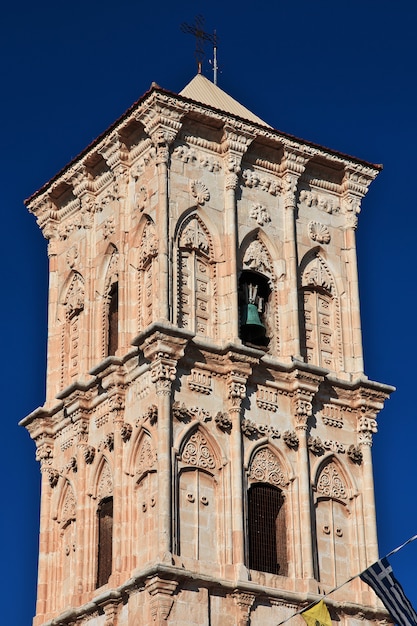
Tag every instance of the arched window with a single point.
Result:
(105, 541)
(267, 529)
(113, 320)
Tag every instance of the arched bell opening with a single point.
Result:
(254, 293)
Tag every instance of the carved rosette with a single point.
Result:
(223, 422)
(199, 191)
(318, 232)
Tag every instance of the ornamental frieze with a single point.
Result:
(333, 415)
(252, 180)
(200, 381)
(267, 398)
(317, 446)
(252, 430)
(320, 201)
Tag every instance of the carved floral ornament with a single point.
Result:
(258, 259)
(198, 453)
(318, 232)
(330, 484)
(199, 191)
(260, 214)
(265, 468)
(195, 237)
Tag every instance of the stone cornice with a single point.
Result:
(161, 111)
(137, 583)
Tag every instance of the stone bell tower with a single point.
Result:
(205, 443)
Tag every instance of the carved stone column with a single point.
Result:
(236, 386)
(354, 187)
(292, 166)
(235, 143)
(162, 125)
(305, 386)
(49, 478)
(164, 351)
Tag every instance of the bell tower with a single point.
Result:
(205, 443)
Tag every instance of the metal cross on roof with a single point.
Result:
(201, 36)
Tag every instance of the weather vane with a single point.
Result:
(201, 36)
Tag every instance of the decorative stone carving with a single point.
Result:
(355, 454)
(260, 214)
(72, 256)
(199, 191)
(265, 468)
(267, 398)
(197, 452)
(202, 415)
(89, 454)
(109, 228)
(161, 592)
(330, 484)
(316, 274)
(74, 300)
(180, 412)
(332, 415)
(53, 477)
(252, 179)
(105, 483)
(223, 421)
(148, 248)
(195, 236)
(315, 444)
(322, 202)
(318, 232)
(146, 456)
(257, 258)
(141, 197)
(251, 430)
(125, 432)
(200, 381)
(244, 601)
(290, 438)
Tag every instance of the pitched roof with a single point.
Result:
(202, 90)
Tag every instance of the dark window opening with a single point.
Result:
(254, 292)
(267, 530)
(113, 320)
(105, 541)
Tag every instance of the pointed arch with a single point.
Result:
(335, 523)
(72, 304)
(101, 481)
(196, 280)
(321, 331)
(198, 497)
(66, 543)
(267, 513)
(109, 310)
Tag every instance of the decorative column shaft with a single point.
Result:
(235, 145)
(367, 426)
(292, 167)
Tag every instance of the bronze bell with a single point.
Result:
(252, 327)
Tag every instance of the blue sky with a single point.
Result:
(341, 74)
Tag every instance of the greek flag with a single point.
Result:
(380, 577)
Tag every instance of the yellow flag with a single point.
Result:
(318, 615)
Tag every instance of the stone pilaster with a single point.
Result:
(235, 144)
(292, 167)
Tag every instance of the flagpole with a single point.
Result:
(349, 580)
